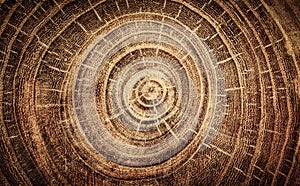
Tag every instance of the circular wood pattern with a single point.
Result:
(160, 92)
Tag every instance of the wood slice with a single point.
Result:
(160, 92)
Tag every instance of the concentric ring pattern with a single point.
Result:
(160, 92)
(149, 87)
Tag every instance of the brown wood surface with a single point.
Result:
(194, 92)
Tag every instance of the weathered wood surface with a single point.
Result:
(160, 92)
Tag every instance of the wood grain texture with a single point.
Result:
(160, 92)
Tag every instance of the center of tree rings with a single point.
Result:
(148, 92)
